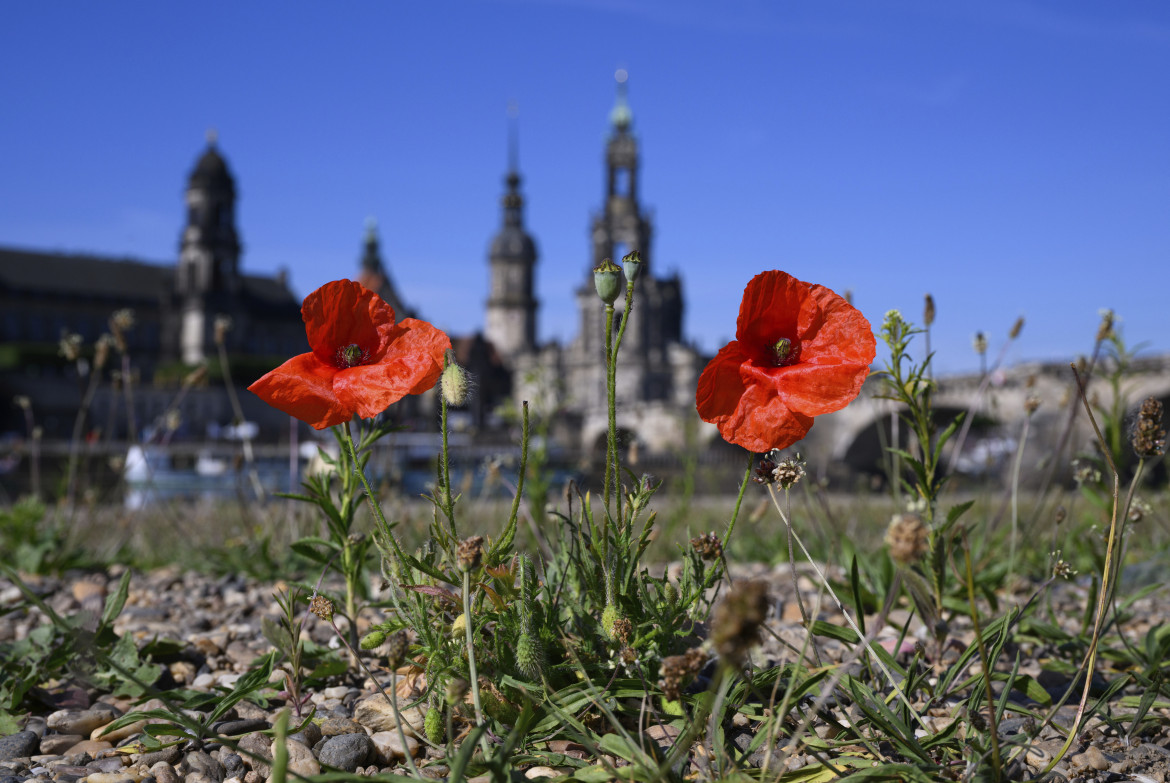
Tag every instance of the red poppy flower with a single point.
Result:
(362, 362)
(800, 350)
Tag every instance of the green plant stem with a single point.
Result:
(795, 582)
(375, 506)
(997, 759)
(747, 475)
(612, 402)
(611, 435)
(448, 507)
(471, 669)
(75, 440)
(398, 718)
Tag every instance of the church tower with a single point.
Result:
(207, 277)
(373, 274)
(512, 305)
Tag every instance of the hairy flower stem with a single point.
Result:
(751, 461)
(375, 506)
(448, 506)
(611, 435)
(469, 625)
(844, 612)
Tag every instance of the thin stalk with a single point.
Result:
(1016, 498)
(398, 718)
(446, 465)
(611, 435)
(75, 441)
(375, 506)
(997, 759)
(468, 626)
(957, 449)
(238, 412)
(128, 390)
(751, 461)
(612, 370)
(1107, 575)
(795, 581)
(845, 613)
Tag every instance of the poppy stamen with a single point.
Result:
(351, 356)
(783, 353)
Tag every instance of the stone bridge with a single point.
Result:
(853, 440)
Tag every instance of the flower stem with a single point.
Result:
(447, 504)
(739, 499)
(375, 506)
(611, 435)
(468, 627)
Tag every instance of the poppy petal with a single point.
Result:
(815, 390)
(302, 387)
(720, 384)
(771, 306)
(834, 331)
(411, 364)
(345, 313)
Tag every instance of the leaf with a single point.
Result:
(114, 602)
(459, 766)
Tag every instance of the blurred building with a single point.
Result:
(657, 370)
(45, 295)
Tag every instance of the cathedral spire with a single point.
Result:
(620, 116)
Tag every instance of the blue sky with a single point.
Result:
(1010, 158)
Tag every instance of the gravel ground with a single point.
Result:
(217, 621)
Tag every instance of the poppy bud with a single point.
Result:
(632, 265)
(1016, 328)
(456, 690)
(433, 725)
(607, 279)
(373, 639)
(453, 384)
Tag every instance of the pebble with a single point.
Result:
(345, 751)
(19, 745)
(201, 762)
(81, 721)
(388, 747)
(300, 759)
(377, 714)
(110, 777)
(253, 748)
(332, 727)
(164, 773)
(89, 747)
(57, 744)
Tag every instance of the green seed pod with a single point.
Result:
(373, 639)
(529, 656)
(433, 725)
(609, 619)
(607, 279)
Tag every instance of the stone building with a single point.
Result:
(657, 369)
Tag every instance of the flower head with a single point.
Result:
(362, 361)
(800, 351)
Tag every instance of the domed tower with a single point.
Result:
(209, 252)
(511, 304)
(207, 277)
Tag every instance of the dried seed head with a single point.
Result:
(70, 346)
(736, 621)
(396, 646)
(1017, 327)
(678, 669)
(121, 322)
(470, 553)
(1085, 473)
(908, 538)
(1060, 568)
(980, 343)
(1138, 510)
(708, 546)
(456, 691)
(1031, 403)
(1060, 515)
(223, 325)
(1149, 437)
(1105, 330)
(789, 472)
(928, 310)
(322, 607)
(763, 472)
(101, 350)
(23, 402)
(623, 629)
